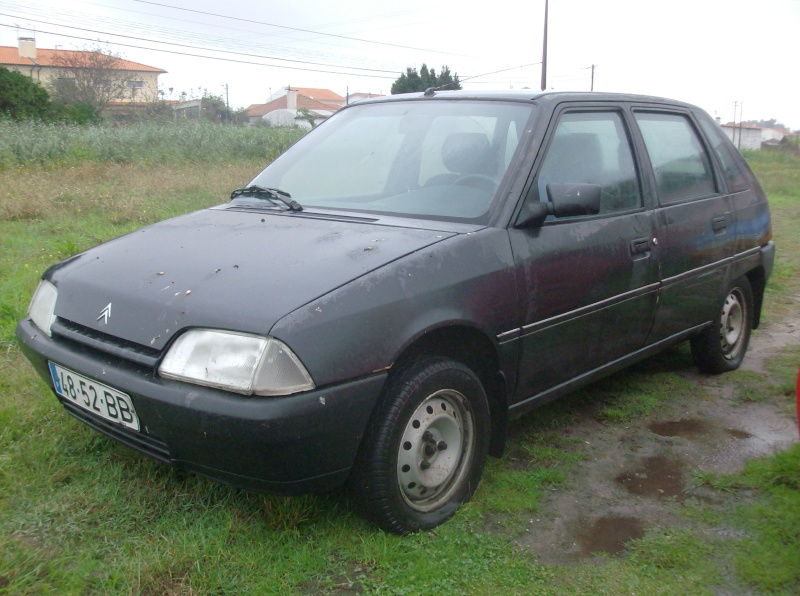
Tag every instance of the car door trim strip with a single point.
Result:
(578, 312)
(711, 266)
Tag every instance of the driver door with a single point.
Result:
(588, 283)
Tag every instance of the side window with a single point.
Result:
(593, 148)
(680, 162)
(732, 163)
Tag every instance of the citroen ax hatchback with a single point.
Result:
(375, 305)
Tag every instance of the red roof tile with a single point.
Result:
(44, 57)
(318, 94)
(255, 109)
(280, 103)
(311, 104)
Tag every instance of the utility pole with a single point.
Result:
(741, 105)
(544, 49)
(593, 66)
(227, 103)
(737, 107)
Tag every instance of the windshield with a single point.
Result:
(433, 159)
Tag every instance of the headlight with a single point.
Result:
(248, 364)
(43, 306)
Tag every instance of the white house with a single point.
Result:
(286, 104)
(48, 68)
(744, 136)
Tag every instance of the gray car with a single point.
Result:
(373, 307)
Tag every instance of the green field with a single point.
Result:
(82, 514)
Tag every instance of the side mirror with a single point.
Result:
(533, 214)
(570, 200)
(565, 200)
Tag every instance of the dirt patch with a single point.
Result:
(638, 475)
(768, 340)
(656, 476)
(609, 535)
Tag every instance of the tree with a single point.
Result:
(771, 123)
(91, 76)
(305, 115)
(22, 98)
(411, 80)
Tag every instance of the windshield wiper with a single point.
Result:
(273, 194)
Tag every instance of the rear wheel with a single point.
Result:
(424, 453)
(722, 347)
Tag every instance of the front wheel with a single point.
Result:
(721, 347)
(424, 452)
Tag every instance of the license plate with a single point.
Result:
(97, 398)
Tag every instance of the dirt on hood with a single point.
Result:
(636, 473)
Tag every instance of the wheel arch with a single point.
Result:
(475, 350)
(758, 282)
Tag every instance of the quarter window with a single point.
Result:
(679, 159)
(593, 148)
(733, 166)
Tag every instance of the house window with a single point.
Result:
(136, 84)
(102, 83)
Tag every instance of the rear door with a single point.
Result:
(695, 221)
(589, 283)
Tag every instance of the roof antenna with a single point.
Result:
(430, 92)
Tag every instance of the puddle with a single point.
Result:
(609, 535)
(635, 474)
(694, 429)
(658, 477)
(691, 428)
(738, 434)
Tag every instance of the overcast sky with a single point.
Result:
(715, 53)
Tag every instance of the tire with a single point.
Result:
(721, 347)
(424, 451)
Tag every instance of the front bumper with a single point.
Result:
(286, 445)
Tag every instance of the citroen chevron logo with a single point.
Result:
(105, 314)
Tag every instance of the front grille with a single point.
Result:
(148, 444)
(106, 343)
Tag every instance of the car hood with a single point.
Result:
(222, 269)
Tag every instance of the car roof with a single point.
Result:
(530, 96)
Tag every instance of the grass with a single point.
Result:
(57, 145)
(82, 514)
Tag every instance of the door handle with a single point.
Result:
(640, 245)
(719, 223)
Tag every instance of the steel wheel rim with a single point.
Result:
(732, 324)
(435, 451)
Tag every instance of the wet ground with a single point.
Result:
(638, 475)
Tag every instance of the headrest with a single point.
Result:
(468, 153)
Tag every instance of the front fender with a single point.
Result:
(363, 326)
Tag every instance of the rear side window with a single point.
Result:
(733, 165)
(679, 159)
(593, 148)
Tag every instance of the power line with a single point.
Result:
(205, 49)
(486, 74)
(215, 57)
(389, 73)
(222, 16)
(157, 33)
